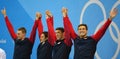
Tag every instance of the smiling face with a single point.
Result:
(82, 30)
(59, 33)
(43, 36)
(21, 32)
(20, 35)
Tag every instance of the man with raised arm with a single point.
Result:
(85, 46)
(23, 45)
(60, 39)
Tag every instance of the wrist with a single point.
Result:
(36, 17)
(5, 15)
(110, 17)
(64, 14)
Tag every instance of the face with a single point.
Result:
(59, 34)
(42, 38)
(82, 32)
(20, 35)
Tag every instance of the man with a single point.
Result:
(23, 46)
(85, 46)
(62, 42)
(44, 50)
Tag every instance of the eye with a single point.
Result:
(80, 29)
(18, 33)
(83, 28)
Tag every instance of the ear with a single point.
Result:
(46, 38)
(24, 34)
(63, 34)
(87, 30)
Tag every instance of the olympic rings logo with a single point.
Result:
(116, 39)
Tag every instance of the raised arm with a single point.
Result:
(9, 25)
(33, 32)
(48, 14)
(98, 35)
(40, 27)
(51, 33)
(68, 23)
(67, 36)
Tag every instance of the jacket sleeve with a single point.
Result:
(71, 30)
(99, 34)
(51, 32)
(10, 28)
(33, 32)
(40, 28)
(67, 40)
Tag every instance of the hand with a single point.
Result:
(64, 11)
(113, 13)
(38, 15)
(48, 14)
(3, 12)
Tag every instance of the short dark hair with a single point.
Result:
(83, 25)
(45, 33)
(22, 29)
(61, 29)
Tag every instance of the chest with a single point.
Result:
(25, 44)
(89, 42)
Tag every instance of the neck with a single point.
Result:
(43, 40)
(61, 38)
(42, 43)
(23, 38)
(83, 36)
